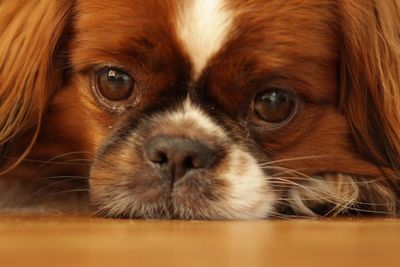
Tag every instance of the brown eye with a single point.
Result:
(114, 85)
(274, 106)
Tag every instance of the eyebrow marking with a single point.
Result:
(203, 26)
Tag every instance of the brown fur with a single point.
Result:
(370, 75)
(29, 41)
(342, 56)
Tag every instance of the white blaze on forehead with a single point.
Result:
(202, 26)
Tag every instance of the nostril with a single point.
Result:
(195, 162)
(160, 158)
(156, 155)
(177, 156)
(198, 160)
(188, 162)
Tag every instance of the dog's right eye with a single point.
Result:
(274, 106)
(114, 85)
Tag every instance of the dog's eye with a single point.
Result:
(114, 85)
(274, 106)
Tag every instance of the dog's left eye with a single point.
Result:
(114, 85)
(274, 106)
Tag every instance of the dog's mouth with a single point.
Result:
(179, 164)
(232, 188)
(193, 196)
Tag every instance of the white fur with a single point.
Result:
(249, 195)
(202, 26)
(190, 112)
(341, 192)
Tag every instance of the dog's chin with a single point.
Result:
(160, 202)
(196, 196)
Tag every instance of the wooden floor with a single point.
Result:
(64, 241)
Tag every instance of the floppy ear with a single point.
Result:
(29, 32)
(370, 77)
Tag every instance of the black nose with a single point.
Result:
(177, 156)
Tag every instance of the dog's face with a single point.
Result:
(216, 109)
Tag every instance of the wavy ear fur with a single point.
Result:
(370, 77)
(29, 32)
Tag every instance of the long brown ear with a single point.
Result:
(29, 36)
(370, 77)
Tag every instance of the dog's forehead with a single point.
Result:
(201, 30)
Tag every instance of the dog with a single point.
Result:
(200, 109)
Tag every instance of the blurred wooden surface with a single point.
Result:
(63, 241)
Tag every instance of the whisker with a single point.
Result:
(317, 195)
(69, 191)
(293, 159)
(37, 192)
(312, 199)
(51, 160)
(64, 177)
(329, 181)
